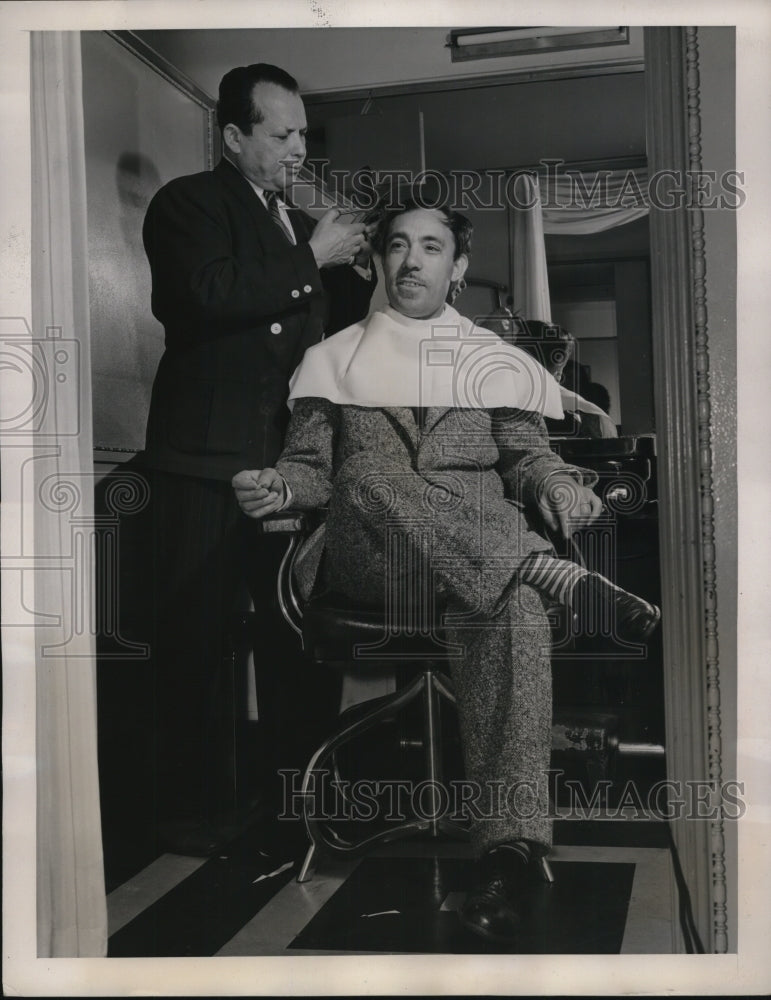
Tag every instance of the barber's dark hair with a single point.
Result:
(460, 227)
(235, 105)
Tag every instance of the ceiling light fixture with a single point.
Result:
(486, 43)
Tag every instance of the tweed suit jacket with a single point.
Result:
(240, 304)
(464, 486)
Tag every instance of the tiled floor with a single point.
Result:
(611, 895)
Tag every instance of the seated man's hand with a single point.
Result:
(259, 491)
(567, 505)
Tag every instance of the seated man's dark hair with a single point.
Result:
(235, 105)
(423, 198)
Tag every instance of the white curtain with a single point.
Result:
(578, 204)
(572, 204)
(530, 280)
(71, 906)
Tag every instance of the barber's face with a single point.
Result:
(418, 263)
(272, 155)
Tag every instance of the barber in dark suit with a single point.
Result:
(242, 283)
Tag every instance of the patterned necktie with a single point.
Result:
(271, 197)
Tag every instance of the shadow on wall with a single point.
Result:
(136, 179)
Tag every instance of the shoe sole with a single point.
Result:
(638, 636)
(651, 627)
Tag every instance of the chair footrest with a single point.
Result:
(583, 731)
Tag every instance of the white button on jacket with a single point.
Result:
(307, 289)
(295, 294)
(275, 328)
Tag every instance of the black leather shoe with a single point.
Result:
(493, 909)
(632, 618)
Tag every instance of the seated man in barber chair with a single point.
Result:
(417, 414)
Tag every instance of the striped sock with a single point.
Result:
(552, 576)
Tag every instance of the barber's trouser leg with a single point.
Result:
(209, 559)
(503, 689)
(198, 590)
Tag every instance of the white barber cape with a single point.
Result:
(392, 360)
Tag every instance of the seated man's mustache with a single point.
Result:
(408, 272)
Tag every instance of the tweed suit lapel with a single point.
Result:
(404, 422)
(433, 415)
(402, 418)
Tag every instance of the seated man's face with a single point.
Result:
(419, 264)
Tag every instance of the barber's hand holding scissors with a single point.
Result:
(337, 239)
(259, 491)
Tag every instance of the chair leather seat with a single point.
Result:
(333, 625)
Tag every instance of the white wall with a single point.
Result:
(352, 58)
(140, 132)
(517, 124)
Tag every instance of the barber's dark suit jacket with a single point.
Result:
(239, 305)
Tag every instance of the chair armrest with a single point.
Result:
(291, 521)
(285, 522)
(295, 525)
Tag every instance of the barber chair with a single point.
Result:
(336, 632)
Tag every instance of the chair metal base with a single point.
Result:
(546, 872)
(306, 872)
(430, 685)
